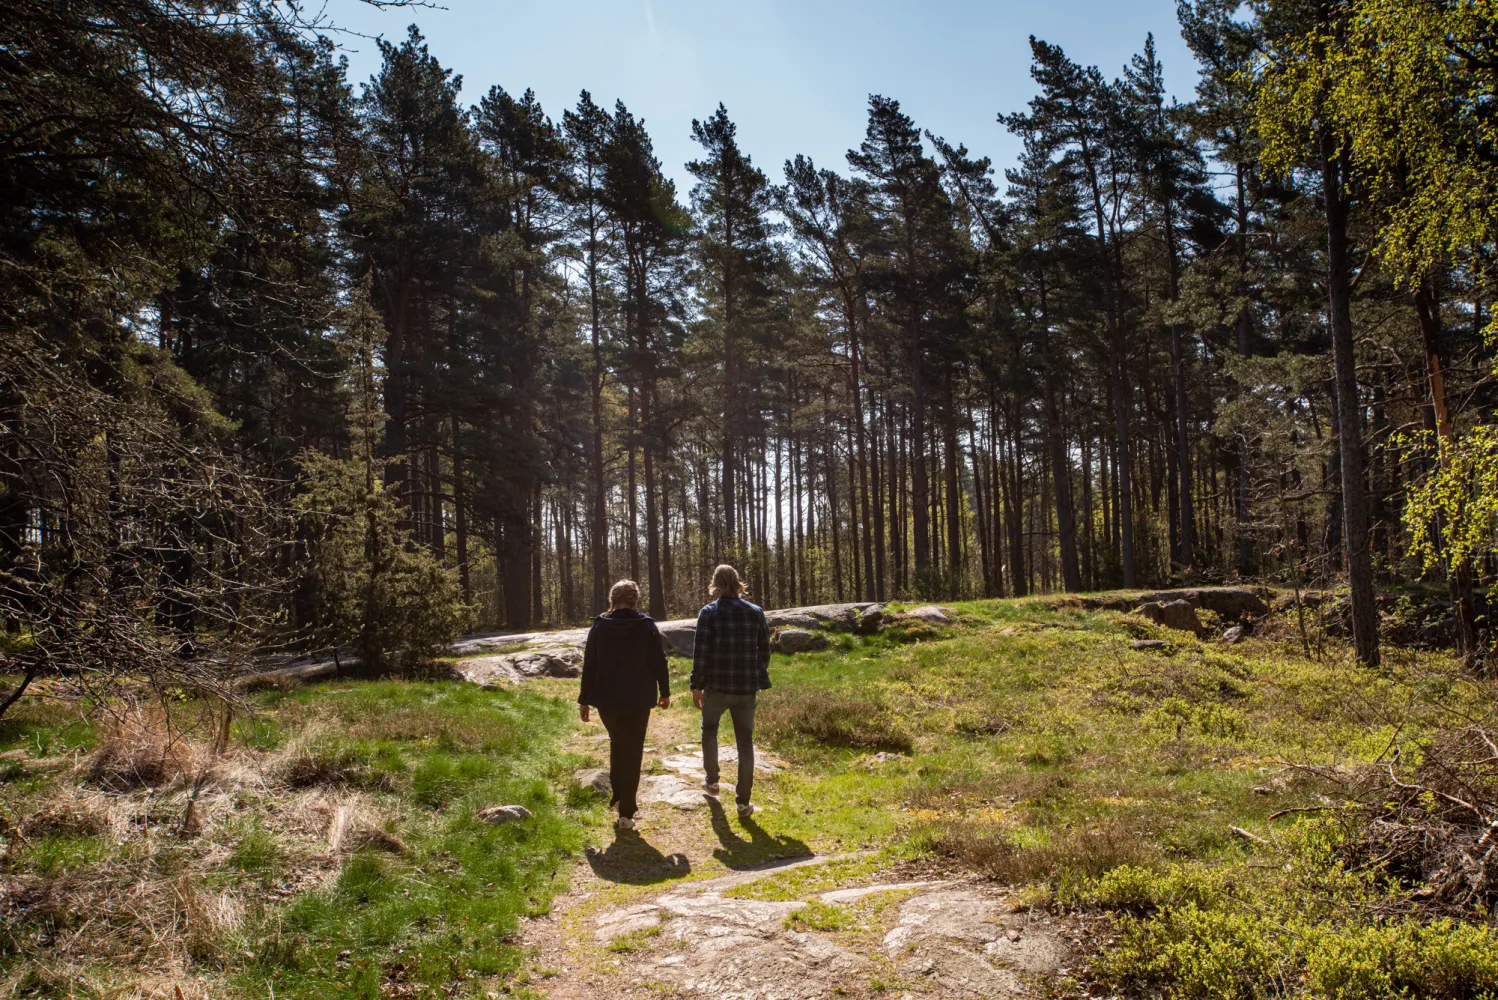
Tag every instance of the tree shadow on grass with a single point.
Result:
(633, 860)
(761, 850)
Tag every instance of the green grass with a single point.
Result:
(1046, 751)
(1029, 742)
(432, 905)
(443, 915)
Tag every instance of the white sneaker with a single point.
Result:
(710, 787)
(746, 809)
(625, 823)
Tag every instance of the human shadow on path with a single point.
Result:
(759, 851)
(633, 860)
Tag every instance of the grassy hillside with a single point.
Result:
(1183, 797)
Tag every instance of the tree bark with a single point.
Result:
(1349, 409)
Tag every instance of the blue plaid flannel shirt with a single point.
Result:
(731, 650)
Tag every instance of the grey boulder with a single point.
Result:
(797, 640)
(596, 779)
(678, 637)
(1235, 635)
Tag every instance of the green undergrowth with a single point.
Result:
(1032, 743)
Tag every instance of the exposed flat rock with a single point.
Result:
(734, 949)
(672, 790)
(843, 896)
(596, 778)
(957, 939)
(952, 941)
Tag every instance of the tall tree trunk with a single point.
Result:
(632, 501)
(460, 513)
(1066, 515)
(1241, 508)
(1427, 307)
(652, 514)
(919, 485)
(877, 502)
(1349, 408)
(953, 490)
(1015, 512)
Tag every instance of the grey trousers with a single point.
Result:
(740, 708)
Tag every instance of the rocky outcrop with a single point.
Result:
(498, 671)
(1177, 614)
(930, 613)
(860, 619)
(948, 940)
(1232, 603)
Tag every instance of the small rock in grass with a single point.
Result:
(502, 814)
(596, 778)
(1149, 644)
(883, 757)
(930, 613)
(1235, 635)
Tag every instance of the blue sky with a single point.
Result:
(795, 76)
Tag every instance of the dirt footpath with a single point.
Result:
(699, 903)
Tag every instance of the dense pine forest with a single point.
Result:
(292, 360)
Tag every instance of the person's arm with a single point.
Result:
(658, 666)
(764, 640)
(701, 648)
(586, 692)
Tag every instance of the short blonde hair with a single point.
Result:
(726, 582)
(625, 593)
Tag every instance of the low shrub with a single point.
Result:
(832, 719)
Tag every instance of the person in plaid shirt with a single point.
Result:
(730, 666)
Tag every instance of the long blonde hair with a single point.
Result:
(625, 593)
(727, 583)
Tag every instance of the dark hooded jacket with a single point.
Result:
(624, 663)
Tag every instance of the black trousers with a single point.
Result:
(626, 753)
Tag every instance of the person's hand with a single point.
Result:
(697, 699)
(664, 702)
(582, 713)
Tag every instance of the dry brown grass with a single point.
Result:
(1069, 856)
(141, 746)
(355, 825)
(832, 719)
(157, 812)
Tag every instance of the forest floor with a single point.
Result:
(1038, 799)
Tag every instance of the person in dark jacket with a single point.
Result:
(730, 666)
(624, 676)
